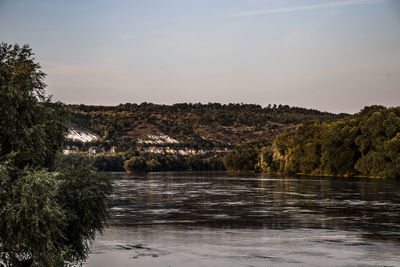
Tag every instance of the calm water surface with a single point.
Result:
(216, 219)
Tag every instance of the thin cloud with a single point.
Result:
(308, 7)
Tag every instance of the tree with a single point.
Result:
(30, 125)
(245, 157)
(367, 143)
(378, 141)
(48, 213)
(135, 164)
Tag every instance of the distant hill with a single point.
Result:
(182, 128)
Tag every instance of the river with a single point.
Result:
(220, 219)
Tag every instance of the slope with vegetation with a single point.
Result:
(365, 144)
(182, 136)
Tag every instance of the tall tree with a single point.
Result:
(48, 213)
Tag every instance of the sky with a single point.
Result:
(336, 56)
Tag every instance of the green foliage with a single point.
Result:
(190, 122)
(135, 164)
(246, 157)
(379, 142)
(48, 213)
(30, 125)
(101, 162)
(340, 152)
(153, 165)
(107, 163)
(154, 162)
(365, 144)
(32, 222)
(82, 194)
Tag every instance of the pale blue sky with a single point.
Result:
(330, 55)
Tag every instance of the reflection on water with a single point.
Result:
(203, 219)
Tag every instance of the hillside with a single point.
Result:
(365, 144)
(182, 128)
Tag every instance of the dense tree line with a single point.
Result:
(245, 157)
(149, 162)
(153, 162)
(101, 162)
(365, 144)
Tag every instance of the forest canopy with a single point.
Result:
(365, 144)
